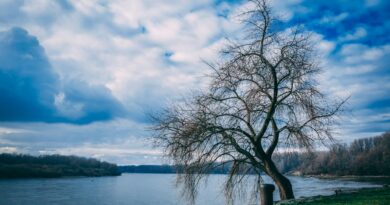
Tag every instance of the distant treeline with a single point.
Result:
(368, 156)
(160, 169)
(20, 166)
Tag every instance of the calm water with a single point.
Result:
(138, 189)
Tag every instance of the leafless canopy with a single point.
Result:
(262, 95)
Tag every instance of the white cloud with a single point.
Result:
(94, 51)
(40, 7)
(89, 7)
(9, 150)
(6, 130)
(334, 19)
(119, 139)
(370, 3)
(356, 71)
(323, 47)
(71, 110)
(283, 8)
(359, 33)
(359, 53)
(128, 13)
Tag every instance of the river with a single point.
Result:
(139, 189)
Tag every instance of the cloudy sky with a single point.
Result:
(79, 77)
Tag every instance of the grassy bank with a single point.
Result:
(378, 196)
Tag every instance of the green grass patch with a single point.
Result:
(379, 196)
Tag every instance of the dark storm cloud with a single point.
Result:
(97, 102)
(28, 83)
(31, 91)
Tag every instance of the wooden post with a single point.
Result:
(266, 194)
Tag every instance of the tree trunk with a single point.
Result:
(283, 184)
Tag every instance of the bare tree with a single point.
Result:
(262, 95)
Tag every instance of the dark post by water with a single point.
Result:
(266, 194)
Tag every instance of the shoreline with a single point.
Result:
(381, 180)
(343, 176)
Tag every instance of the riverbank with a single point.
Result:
(382, 180)
(366, 196)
